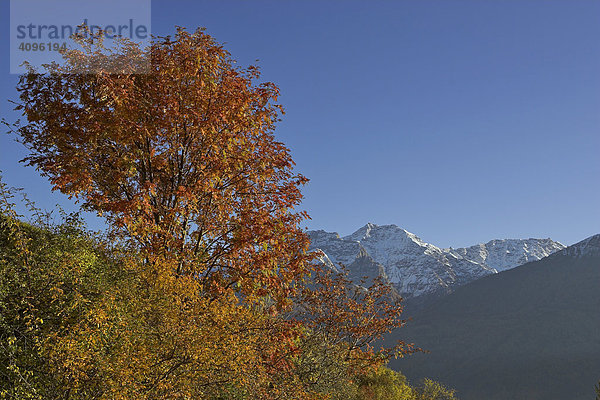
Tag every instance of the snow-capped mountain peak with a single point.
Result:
(361, 233)
(373, 232)
(416, 268)
(509, 253)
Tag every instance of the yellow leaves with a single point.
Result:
(56, 292)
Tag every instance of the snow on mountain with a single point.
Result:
(339, 251)
(417, 268)
(509, 253)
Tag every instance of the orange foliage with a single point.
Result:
(182, 159)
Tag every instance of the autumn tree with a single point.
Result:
(183, 163)
(343, 321)
(182, 160)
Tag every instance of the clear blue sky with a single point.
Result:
(461, 121)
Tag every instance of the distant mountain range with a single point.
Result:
(417, 269)
(530, 332)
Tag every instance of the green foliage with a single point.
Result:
(50, 276)
(384, 383)
(431, 390)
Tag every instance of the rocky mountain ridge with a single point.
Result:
(417, 268)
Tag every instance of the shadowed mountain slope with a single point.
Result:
(532, 332)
